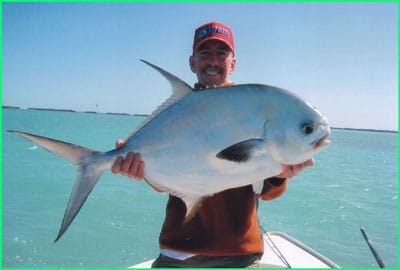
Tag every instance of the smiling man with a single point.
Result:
(213, 58)
(225, 231)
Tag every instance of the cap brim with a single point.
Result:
(213, 38)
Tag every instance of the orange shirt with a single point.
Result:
(226, 224)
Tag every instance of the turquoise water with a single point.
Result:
(353, 184)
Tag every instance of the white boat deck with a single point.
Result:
(282, 251)
(287, 252)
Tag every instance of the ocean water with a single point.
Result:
(353, 184)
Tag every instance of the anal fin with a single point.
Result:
(192, 206)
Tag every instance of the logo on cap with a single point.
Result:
(211, 30)
(216, 31)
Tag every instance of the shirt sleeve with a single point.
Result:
(273, 188)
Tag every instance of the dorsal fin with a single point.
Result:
(179, 90)
(179, 87)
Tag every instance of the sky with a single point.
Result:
(340, 57)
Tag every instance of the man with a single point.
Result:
(225, 232)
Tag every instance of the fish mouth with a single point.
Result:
(323, 141)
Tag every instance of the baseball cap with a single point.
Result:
(213, 31)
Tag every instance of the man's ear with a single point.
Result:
(233, 65)
(192, 63)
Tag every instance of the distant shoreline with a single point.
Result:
(145, 115)
(69, 110)
(367, 129)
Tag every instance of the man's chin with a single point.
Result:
(213, 83)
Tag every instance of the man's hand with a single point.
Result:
(132, 165)
(289, 171)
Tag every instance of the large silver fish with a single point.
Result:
(198, 143)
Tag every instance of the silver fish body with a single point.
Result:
(181, 147)
(198, 143)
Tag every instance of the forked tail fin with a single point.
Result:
(90, 166)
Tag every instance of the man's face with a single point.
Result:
(213, 62)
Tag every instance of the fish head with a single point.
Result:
(302, 132)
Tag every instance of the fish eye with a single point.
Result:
(307, 128)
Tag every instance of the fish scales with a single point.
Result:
(189, 135)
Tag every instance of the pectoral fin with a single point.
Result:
(240, 152)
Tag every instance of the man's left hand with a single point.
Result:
(289, 171)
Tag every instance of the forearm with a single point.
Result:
(273, 188)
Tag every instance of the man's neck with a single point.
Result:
(199, 85)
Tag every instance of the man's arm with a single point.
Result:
(276, 186)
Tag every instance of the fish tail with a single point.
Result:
(90, 166)
(88, 173)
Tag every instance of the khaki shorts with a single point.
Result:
(208, 261)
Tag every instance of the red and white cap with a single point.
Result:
(213, 31)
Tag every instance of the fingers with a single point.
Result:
(116, 167)
(309, 163)
(132, 166)
(289, 171)
(119, 144)
(296, 169)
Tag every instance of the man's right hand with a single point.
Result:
(132, 165)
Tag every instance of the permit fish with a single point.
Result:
(198, 143)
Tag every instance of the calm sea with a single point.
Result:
(353, 184)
